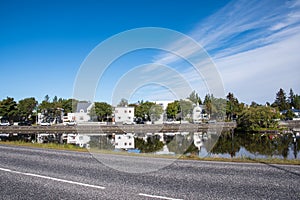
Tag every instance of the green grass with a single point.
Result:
(56, 146)
(70, 147)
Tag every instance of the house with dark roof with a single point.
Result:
(82, 112)
(295, 111)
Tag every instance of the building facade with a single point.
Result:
(124, 115)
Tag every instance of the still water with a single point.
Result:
(224, 145)
(285, 146)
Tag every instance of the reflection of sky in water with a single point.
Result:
(245, 153)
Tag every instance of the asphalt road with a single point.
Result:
(27, 173)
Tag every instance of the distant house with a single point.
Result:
(295, 111)
(124, 115)
(198, 114)
(82, 112)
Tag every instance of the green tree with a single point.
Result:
(232, 107)
(123, 103)
(186, 109)
(143, 110)
(155, 112)
(291, 99)
(256, 118)
(69, 105)
(26, 107)
(103, 110)
(208, 104)
(297, 101)
(194, 97)
(173, 109)
(8, 108)
(281, 101)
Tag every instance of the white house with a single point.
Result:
(124, 141)
(124, 115)
(198, 114)
(82, 112)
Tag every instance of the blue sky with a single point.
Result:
(253, 44)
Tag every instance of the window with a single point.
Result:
(129, 111)
(119, 137)
(125, 143)
(129, 117)
(125, 111)
(119, 117)
(129, 143)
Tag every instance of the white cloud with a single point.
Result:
(255, 45)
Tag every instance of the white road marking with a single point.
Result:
(157, 197)
(53, 179)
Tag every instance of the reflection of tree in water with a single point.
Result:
(152, 144)
(181, 144)
(267, 144)
(101, 142)
(227, 144)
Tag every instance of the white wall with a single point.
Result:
(124, 141)
(124, 114)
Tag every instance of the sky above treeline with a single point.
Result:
(249, 48)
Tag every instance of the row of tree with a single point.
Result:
(248, 117)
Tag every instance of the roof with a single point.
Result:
(293, 110)
(83, 106)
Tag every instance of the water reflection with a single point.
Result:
(228, 145)
(257, 146)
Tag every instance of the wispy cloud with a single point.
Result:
(247, 40)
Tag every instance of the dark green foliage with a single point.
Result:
(173, 109)
(256, 118)
(152, 144)
(103, 110)
(26, 107)
(8, 108)
(143, 110)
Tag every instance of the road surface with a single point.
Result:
(28, 173)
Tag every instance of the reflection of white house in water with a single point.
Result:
(77, 139)
(124, 115)
(124, 141)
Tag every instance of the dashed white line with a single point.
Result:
(53, 179)
(157, 197)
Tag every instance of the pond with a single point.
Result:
(238, 145)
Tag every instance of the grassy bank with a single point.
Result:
(45, 145)
(70, 147)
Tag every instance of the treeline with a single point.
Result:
(249, 117)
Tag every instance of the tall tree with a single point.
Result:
(186, 108)
(232, 107)
(26, 107)
(280, 100)
(194, 97)
(143, 110)
(173, 109)
(291, 99)
(8, 108)
(123, 103)
(155, 112)
(103, 110)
